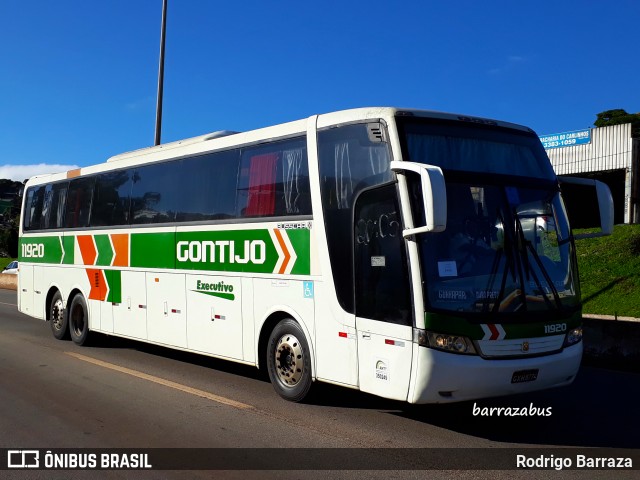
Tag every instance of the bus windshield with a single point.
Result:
(507, 247)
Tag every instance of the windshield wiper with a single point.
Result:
(525, 258)
(510, 260)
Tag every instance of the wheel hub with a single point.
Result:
(57, 314)
(289, 358)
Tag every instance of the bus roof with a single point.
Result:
(227, 138)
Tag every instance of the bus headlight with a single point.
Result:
(445, 342)
(573, 337)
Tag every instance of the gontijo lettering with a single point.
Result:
(253, 251)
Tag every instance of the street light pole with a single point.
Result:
(161, 75)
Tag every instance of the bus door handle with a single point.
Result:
(366, 336)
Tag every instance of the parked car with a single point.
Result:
(11, 268)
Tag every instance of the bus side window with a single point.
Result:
(212, 181)
(53, 212)
(111, 199)
(79, 202)
(274, 180)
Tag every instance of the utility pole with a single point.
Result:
(161, 74)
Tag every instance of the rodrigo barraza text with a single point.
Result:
(581, 461)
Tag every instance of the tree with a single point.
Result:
(619, 116)
(10, 201)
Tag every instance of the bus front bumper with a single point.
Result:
(442, 377)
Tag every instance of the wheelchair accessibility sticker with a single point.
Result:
(308, 289)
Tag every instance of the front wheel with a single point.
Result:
(79, 320)
(289, 361)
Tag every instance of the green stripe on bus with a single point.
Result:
(249, 251)
(301, 241)
(452, 325)
(105, 251)
(225, 296)
(226, 251)
(152, 250)
(68, 244)
(114, 281)
(40, 250)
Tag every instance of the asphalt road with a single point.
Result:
(123, 394)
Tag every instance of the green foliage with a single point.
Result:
(619, 116)
(10, 201)
(9, 238)
(5, 261)
(610, 272)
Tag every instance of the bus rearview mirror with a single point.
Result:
(603, 198)
(434, 196)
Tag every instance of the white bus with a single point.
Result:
(419, 256)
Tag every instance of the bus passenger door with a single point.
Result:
(383, 305)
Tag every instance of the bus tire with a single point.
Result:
(58, 317)
(289, 361)
(79, 320)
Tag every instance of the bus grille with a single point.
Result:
(520, 347)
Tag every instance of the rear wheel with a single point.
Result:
(289, 361)
(58, 317)
(79, 320)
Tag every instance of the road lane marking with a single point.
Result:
(12, 304)
(162, 381)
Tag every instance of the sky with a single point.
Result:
(78, 78)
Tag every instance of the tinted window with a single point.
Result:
(274, 180)
(350, 161)
(211, 191)
(111, 199)
(54, 205)
(192, 189)
(475, 148)
(33, 207)
(156, 191)
(79, 202)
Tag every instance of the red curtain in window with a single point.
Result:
(262, 185)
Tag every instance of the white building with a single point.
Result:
(608, 154)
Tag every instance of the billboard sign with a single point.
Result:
(566, 139)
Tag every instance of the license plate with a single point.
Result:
(523, 376)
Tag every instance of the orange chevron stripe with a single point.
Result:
(98, 284)
(121, 246)
(287, 255)
(87, 249)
